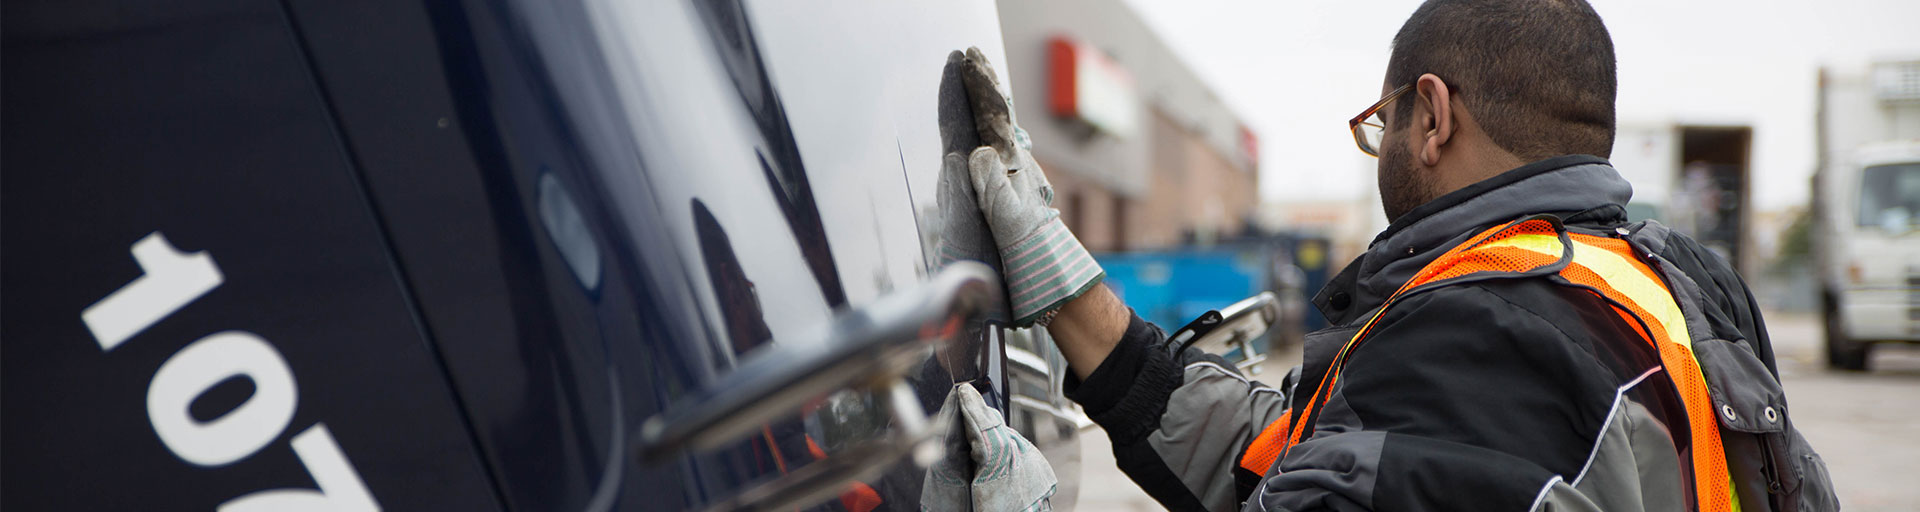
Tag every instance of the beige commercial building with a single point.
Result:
(1140, 151)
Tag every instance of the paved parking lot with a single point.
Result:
(1866, 425)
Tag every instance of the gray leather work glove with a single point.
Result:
(963, 233)
(989, 466)
(1044, 266)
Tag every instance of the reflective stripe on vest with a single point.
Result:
(1607, 266)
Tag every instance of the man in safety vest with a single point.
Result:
(1510, 342)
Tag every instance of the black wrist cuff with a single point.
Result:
(1128, 392)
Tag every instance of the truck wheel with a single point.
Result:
(1843, 352)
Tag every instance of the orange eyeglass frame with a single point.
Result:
(1360, 139)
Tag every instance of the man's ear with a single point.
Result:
(1434, 97)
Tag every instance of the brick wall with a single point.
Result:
(1191, 186)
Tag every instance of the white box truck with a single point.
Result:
(1867, 200)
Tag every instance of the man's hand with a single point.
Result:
(1047, 271)
(1044, 265)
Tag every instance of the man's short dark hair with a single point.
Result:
(1538, 75)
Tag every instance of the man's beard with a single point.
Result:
(1402, 187)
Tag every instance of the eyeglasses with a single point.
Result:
(1368, 127)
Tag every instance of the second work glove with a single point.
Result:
(1043, 264)
(989, 465)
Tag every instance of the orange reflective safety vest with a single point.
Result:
(1603, 265)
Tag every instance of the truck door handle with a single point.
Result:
(871, 347)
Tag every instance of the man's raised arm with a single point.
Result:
(1181, 424)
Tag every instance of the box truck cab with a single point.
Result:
(1871, 251)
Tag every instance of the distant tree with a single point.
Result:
(1796, 246)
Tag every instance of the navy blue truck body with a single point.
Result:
(460, 250)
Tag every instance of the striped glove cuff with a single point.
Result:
(1045, 270)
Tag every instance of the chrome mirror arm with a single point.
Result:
(1231, 331)
(871, 348)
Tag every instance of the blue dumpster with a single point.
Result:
(1172, 287)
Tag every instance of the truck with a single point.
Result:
(1866, 202)
(1694, 177)
(485, 255)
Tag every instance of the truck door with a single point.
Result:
(200, 311)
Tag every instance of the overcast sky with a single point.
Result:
(1297, 70)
